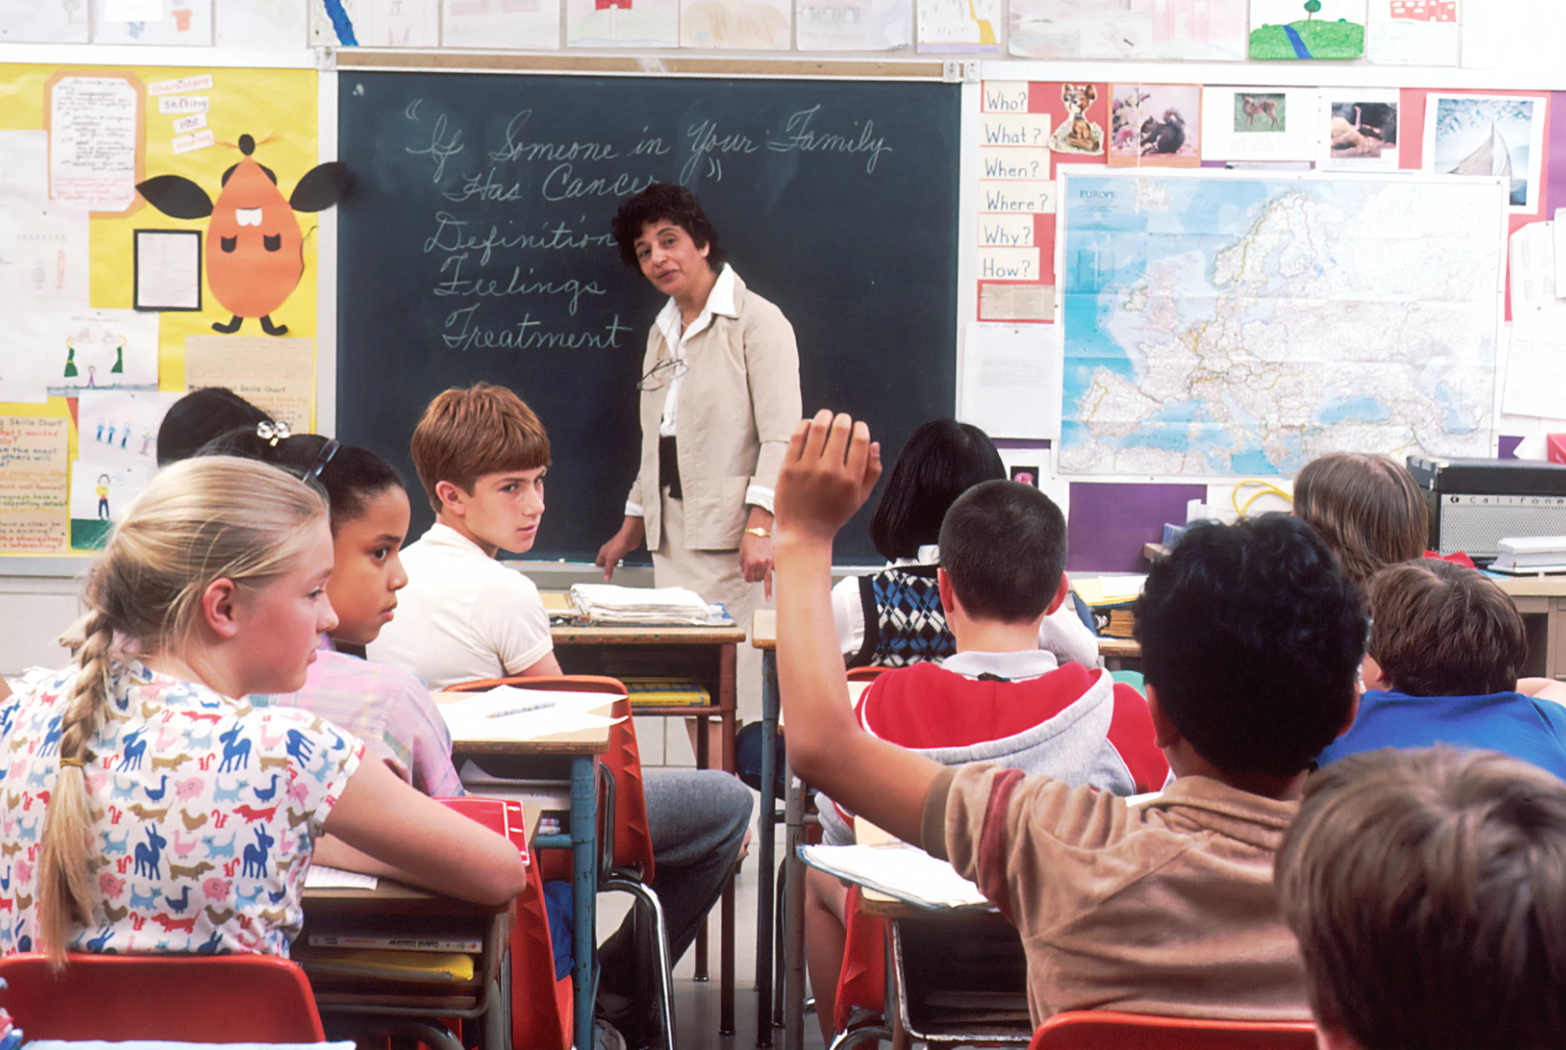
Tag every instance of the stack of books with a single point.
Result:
(606, 603)
(1111, 598)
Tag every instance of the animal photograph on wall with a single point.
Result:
(1263, 112)
(254, 246)
(1363, 130)
(1077, 132)
(1291, 29)
(1155, 125)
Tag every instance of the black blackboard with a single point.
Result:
(476, 246)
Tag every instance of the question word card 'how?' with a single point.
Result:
(1009, 162)
(1023, 197)
(1015, 129)
(1009, 264)
(1005, 96)
(1005, 231)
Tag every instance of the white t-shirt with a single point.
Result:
(463, 615)
(1062, 632)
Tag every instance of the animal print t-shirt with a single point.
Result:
(204, 814)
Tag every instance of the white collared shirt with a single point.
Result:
(1014, 667)
(675, 335)
(463, 615)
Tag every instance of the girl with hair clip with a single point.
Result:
(894, 618)
(153, 770)
(388, 708)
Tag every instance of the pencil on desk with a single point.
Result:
(524, 709)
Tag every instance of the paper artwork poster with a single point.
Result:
(95, 140)
(120, 427)
(375, 23)
(260, 24)
(1290, 29)
(50, 256)
(1260, 123)
(959, 26)
(33, 484)
(746, 25)
(276, 375)
(1414, 33)
(1203, 30)
(1155, 125)
(178, 22)
(533, 25)
(853, 25)
(97, 349)
(1489, 136)
(1362, 129)
(100, 492)
(43, 21)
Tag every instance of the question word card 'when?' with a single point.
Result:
(1011, 162)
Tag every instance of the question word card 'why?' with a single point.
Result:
(1015, 129)
(1005, 231)
(1009, 264)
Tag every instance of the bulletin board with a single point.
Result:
(90, 358)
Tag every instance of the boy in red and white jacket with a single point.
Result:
(1000, 699)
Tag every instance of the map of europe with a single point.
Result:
(1233, 323)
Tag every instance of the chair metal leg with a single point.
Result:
(794, 951)
(647, 898)
(778, 969)
(855, 1036)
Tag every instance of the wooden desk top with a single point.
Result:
(1533, 586)
(880, 906)
(764, 635)
(571, 634)
(593, 741)
(392, 897)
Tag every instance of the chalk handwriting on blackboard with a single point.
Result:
(505, 273)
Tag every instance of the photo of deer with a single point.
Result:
(1261, 113)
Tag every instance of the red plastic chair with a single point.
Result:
(183, 998)
(859, 1007)
(1112, 1030)
(625, 843)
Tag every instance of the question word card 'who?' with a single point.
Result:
(1022, 197)
(1009, 264)
(1005, 231)
(1014, 129)
(1005, 96)
(1010, 162)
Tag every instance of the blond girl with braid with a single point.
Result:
(146, 807)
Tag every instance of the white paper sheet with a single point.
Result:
(507, 713)
(322, 877)
(1363, 129)
(899, 871)
(24, 165)
(959, 26)
(103, 491)
(642, 23)
(154, 22)
(1010, 382)
(1204, 30)
(1490, 135)
(534, 25)
(1261, 123)
(43, 21)
(168, 270)
(120, 427)
(747, 25)
(276, 24)
(853, 25)
(1536, 370)
(93, 142)
(51, 254)
(375, 23)
(1415, 32)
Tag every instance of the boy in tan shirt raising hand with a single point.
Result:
(1251, 641)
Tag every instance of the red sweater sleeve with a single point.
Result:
(1131, 734)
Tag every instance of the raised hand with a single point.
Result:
(828, 472)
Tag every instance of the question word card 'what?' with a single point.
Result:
(1015, 129)
(1009, 162)
(1009, 264)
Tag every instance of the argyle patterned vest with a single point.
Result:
(904, 621)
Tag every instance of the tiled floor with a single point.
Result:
(696, 1004)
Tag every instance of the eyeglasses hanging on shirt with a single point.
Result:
(662, 374)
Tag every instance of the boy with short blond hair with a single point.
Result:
(1251, 639)
(482, 455)
(1428, 892)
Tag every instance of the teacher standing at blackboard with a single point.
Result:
(719, 399)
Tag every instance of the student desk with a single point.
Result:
(764, 636)
(698, 654)
(569, 757)
(364, 995)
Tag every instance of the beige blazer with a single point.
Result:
(738, 403)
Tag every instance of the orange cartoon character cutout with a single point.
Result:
(254, 249)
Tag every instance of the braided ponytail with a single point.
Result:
(201, 520)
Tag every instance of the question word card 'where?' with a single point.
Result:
(1024, 197)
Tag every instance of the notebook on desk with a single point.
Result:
(506, 713)
(897, 870)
